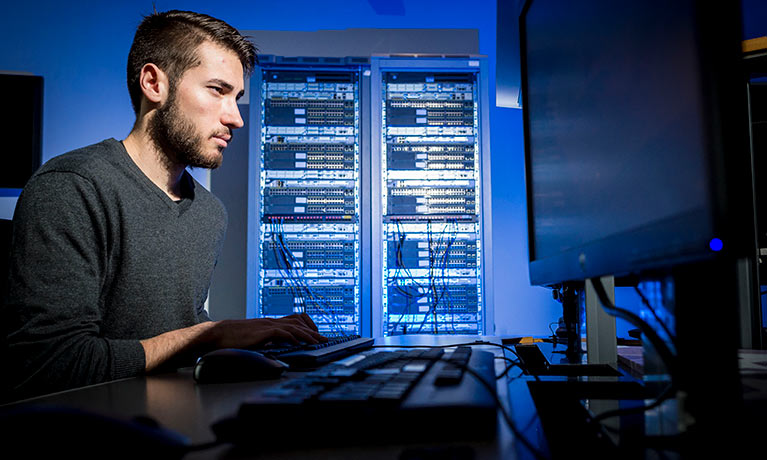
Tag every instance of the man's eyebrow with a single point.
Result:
(224, 84)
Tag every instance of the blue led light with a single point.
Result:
(716, 244)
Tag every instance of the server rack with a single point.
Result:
(309, 128)
(430, 182)
(373, 216)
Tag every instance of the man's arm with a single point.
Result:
(51, 319)
(211, 335)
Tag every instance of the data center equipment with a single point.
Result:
(430, 174)
(309, 190)
(373, 215)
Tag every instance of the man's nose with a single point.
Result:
(231, 116)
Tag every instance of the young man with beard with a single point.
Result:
(115, 244)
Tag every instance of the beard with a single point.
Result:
(176, 137)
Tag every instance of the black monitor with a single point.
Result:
(638, 165)
(21, 128)
(629, 137)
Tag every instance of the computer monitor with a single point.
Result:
(629, 137)
(637, 162)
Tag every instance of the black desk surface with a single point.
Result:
(551, 412)
(178, 403)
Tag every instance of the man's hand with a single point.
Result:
(242, 333)
(248, 333)
(302, 318)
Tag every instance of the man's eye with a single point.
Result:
(217, 89)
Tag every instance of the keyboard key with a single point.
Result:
(343, 372)
(418, 367)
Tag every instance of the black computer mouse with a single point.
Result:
(236, 365)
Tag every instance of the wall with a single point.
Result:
(754, 18)
(80, 48)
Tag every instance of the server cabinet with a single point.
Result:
(430, 182)
(308, 194)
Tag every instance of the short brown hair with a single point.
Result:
(170, 41)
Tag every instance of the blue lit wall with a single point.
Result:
(80, 48)
(754, 18)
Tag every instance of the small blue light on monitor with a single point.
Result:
(716, 244)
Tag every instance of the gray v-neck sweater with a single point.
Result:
(102, 258)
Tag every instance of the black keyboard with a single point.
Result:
(311, 356)
(384, 396)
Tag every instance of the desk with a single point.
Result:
(178, 403)
(560, 410)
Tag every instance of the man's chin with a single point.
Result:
(211, 162)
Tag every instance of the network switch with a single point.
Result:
(281, 155)
(441, 254)
(278, 254)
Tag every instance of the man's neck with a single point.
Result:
(154, 163)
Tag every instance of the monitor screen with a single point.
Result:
(623, 138)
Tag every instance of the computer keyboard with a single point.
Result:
(310, 356)
(380, 396)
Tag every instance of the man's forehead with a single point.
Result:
(220, 63)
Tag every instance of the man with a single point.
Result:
(114, 244)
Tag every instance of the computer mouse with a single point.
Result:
(37, 431)
(236, 365)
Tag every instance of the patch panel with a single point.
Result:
(442, 319)
(427, 131)
(421, 189)
(293, 131)
(452, 275)
(327, 231)
(318, 282)
(308, 276)
(434, 324)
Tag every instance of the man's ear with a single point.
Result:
(154, 83)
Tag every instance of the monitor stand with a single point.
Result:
(601, 342)
(571, 315)
(573, 391)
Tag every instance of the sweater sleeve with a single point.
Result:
(52, 314)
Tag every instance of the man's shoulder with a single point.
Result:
(86, 161)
